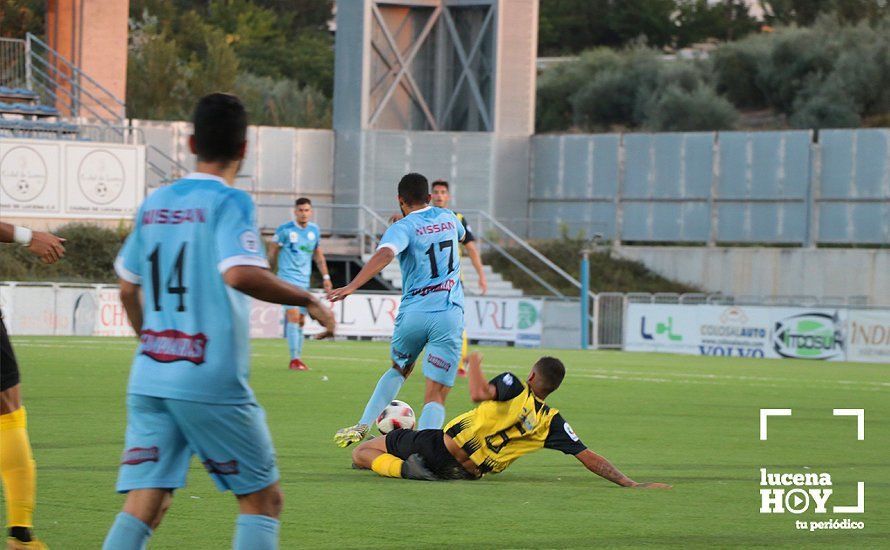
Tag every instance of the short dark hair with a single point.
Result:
(414, 188)
(441, 183)
(220, 122)
(303, 200)
(552, 371)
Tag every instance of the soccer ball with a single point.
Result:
(397, 414)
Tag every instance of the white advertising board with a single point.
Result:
(869, 336)
(737, 331)
(99, 180)
(516, 320)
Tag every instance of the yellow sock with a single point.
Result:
(17, 468)
(387, 465)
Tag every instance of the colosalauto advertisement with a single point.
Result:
(737, 331)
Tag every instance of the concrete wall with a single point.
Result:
(780, 187)
(819, 272)
(281, 164)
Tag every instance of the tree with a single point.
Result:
(165, 78)
(283, 102)
(257, 34)
(156, 76)
(737, 70)
(302, 14)
(679, 110)
(19, 17)
(805, 12)
(570, 26)
(699, 20)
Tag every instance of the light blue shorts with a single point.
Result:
(441, 332)
(304, 285)
(286, 308)
(231, 441)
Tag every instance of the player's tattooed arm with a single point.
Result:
(480, 389)
(603, 468)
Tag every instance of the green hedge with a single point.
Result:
(89, 257)
(830, 75)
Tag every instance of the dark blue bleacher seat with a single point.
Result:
(38, 129)
(28, 110)
(18, 93)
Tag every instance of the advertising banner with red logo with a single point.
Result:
(111, 319)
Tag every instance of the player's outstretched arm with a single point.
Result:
(261, 284)
(473, 253)
(44, 245)
(480, 389)
(603, 468)
(375, 265)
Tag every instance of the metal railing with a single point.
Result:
(14, 63)
(165, 167)
(366, 232)
(485, 225)
(66, 86)
(97, 112)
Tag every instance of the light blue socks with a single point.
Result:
(252, 532)
(127, 533)
(432, 417)
(387, 389)
(294, 340)
(255, 532)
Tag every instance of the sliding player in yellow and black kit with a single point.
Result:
(511, 420)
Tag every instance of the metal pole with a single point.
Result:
(585, 298)
(28, 76)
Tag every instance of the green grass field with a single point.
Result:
(689, 421)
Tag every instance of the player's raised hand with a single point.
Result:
(651, 486)
(324, 316)
(338, 294)
(46, 246)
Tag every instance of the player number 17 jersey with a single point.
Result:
(426, 243)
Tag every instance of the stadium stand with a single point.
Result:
(22, 115)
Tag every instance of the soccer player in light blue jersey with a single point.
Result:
(186, 272)
(431, 313)
(296, 244)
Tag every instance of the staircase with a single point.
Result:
(43, 95)
(497, 286)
